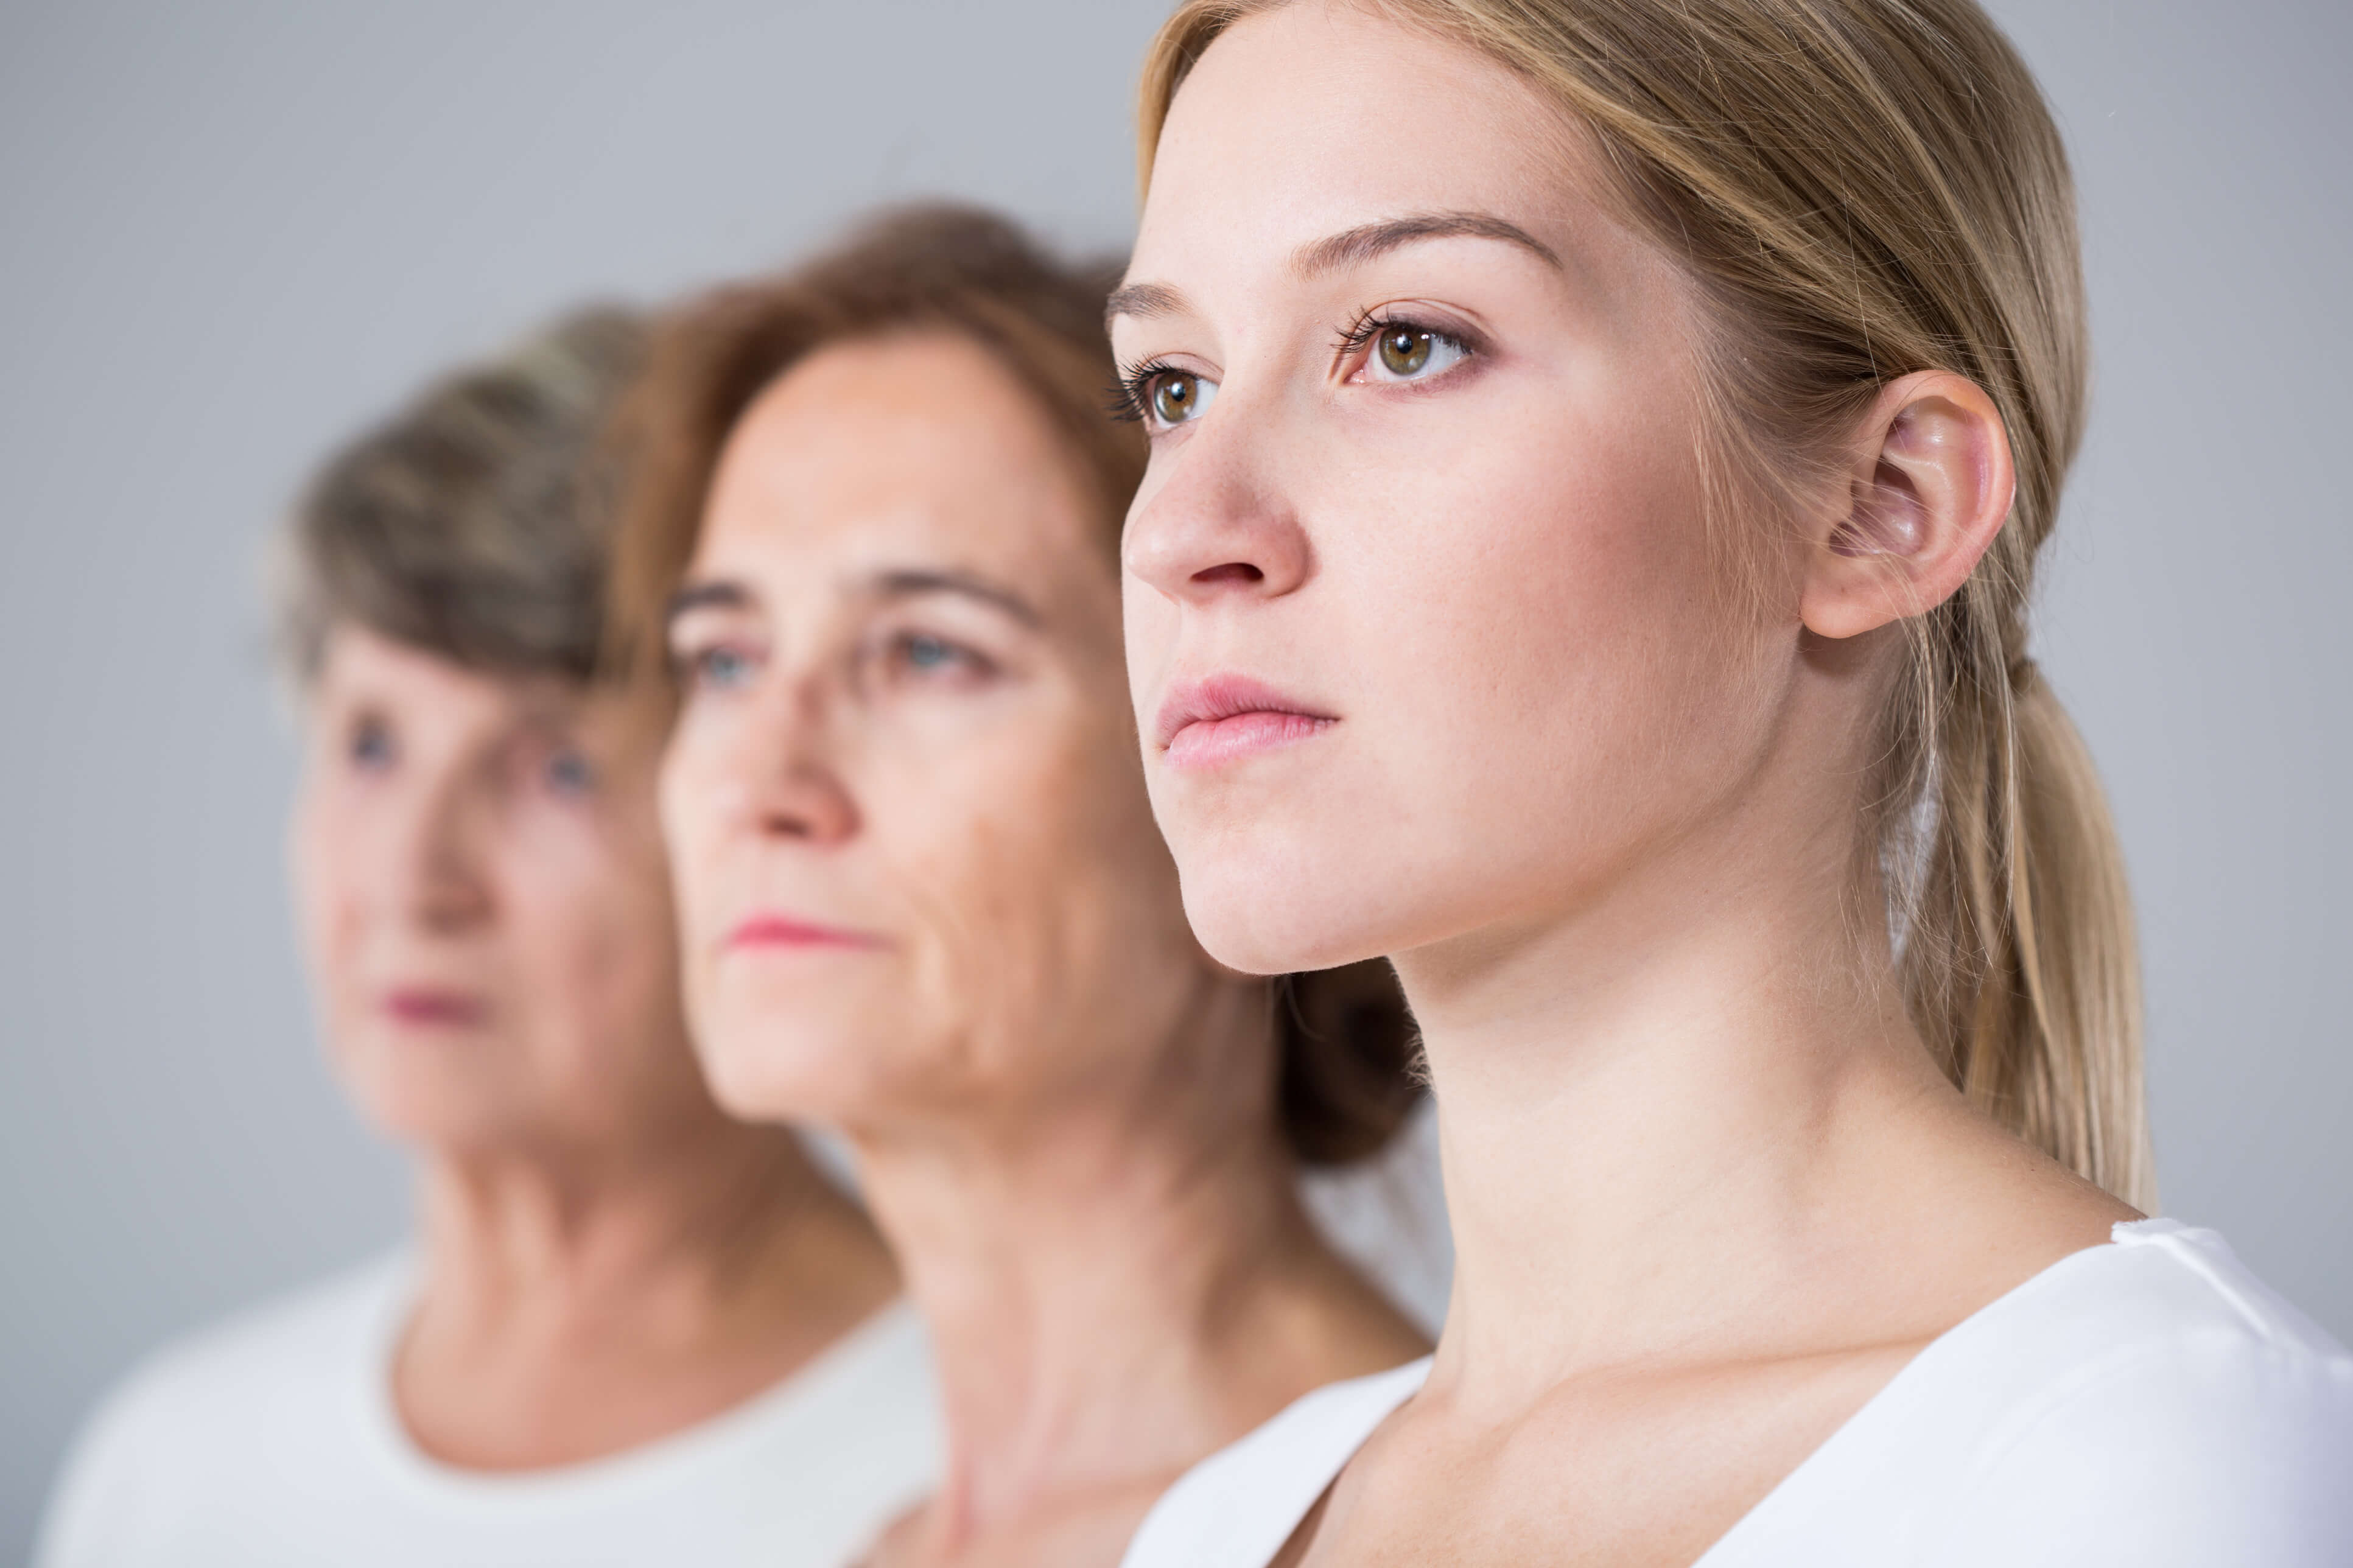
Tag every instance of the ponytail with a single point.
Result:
(2019, 965)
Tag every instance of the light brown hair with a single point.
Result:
(1344, 1061)
(474, 524)
(1861, 189)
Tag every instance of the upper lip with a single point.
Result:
(771, 926)
(1223, 696)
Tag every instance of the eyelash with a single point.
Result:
(1131, 393)
(1371, 323)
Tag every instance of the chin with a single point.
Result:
(429, 1110)
(1264, 903)
(807, 1062)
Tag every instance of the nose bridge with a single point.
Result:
(795, 785)
(1220, 522)
(439, 846)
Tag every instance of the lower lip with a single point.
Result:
(436, 1010)
(1207, 742)
(791, 934)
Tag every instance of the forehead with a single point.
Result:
(363, 665)
(1317, 116)
(886, 452)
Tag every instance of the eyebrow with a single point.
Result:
(1349, 247)
(1365, 242)
(1145, 302)
(894, 583)
(716, 594)
(909, 582)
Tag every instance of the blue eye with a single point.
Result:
(921, 655)
(568, 773)
(926, 652)
(723, 668)
(370, 746)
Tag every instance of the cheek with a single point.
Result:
(1568, 583)
(322, 842)
(693, 806)
(592, 937)
(1043, 893)
(1150, 622)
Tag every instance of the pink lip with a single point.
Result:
(783, 930)
(1226, 717)
(427, 1007)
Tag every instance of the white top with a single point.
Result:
(2149, 1403)
(272, 1441)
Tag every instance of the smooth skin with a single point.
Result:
(905, 718)
(1588, 775)
(606, 1258)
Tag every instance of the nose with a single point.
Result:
(793, 792)
(441, 877)
(1219, 527)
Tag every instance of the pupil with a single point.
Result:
(1175, 397)
(1405, 349)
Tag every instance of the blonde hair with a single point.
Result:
(1858, 190)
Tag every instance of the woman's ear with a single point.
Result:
(1929, 488)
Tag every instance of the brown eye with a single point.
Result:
(1405, 349)
(1400, 351)
(1175, 397)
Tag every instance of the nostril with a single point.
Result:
(1231, 572)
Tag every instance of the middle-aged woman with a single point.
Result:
(1600, 452)
(630, 1330)
(923, 900)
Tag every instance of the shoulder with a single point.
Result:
(191, 1403)
(1240, 1504)
(2153, 1402)
(323, 1328)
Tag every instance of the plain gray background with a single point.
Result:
(230, 233)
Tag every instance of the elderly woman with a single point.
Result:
(923, 900)
(630, 1330)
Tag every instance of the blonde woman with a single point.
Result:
(1600, 450)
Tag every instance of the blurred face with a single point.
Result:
(1424, 630)
(486, 906)
(917, 869)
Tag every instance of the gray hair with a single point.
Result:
(475, 524)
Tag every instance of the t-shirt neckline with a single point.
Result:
(649, 1464)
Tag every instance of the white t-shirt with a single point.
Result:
(272, 1441)
(2149, 1404)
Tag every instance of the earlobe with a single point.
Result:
(1928, 491)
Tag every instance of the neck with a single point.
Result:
(1650, 1097)
(661, 1240)
(1115, 1290)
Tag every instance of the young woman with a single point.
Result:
(923, 900)
(630, 1330)
(1600, 449)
